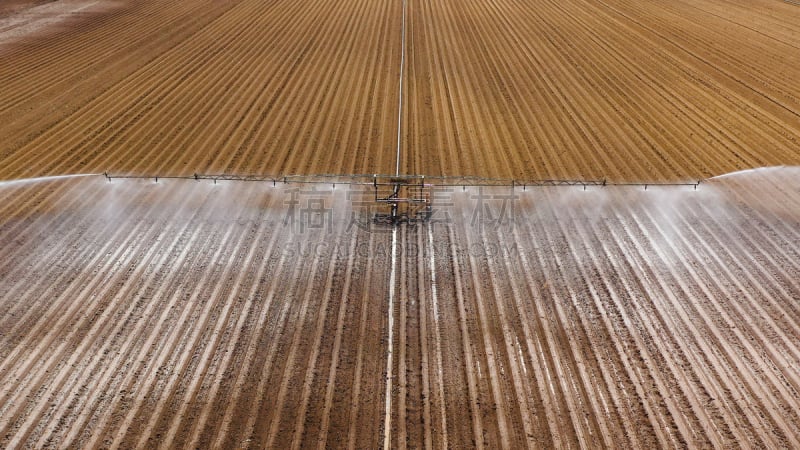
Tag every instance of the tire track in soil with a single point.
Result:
(614, 331)
(148, 362)
(206, 365)
(636, 331)
(709, 318)
(325, 420)
(84, 253)
(76, 305)
(593, 392)
(703, 342)
(631, 421)
(69, 411)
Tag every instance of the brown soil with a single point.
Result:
(617, 89)
(193, 315)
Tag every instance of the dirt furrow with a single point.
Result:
(468, 366)
(695, 330)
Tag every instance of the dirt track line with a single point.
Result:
(54, 49)
(616, 77)
(561, 431)
(658, 100)
(224, 438)
(108, 425)
(20, 221)
(285, 80)
(358, 101)
(192, 390)
(341, 89)
(150, 254)
(497, 23)
(693, 344)
(686, 422)
(402, 345)
(563, 346)
(730, 9)
(710, 381)
(612, 436)
(469, 364)
(516, 100)
(764, 297)
(560, 135)
(662, 377)
(290, 360)
(423, 316)
(368, 149)
(705, 122)
(743, 322)
(81, 361)
(295, 51)
(103, 102)
(252, 80)
(362, 328)
(582, 404)
(227, 373)
(644, 103)
(299, 426)
(261, 401)
(106, 375)
(447, 108)
(158, 381)
(782, 353)
(141, 381)
(80, 47)
(313, 48)
(337, 345)
(471, 109)
(509, 339)
(442, 432)
(114, 60)
(63, 312)
(456, 112)
(534, 347)
(627, 316)
(254, 411)
(716, 330)
(774, 208)
(712, 376)
(738, 61)
(744, 235)
(203, 79)
(698, 58)
(611, 313)
(779, 229)
(400, 84)
(177, 77)
(323, 96)
(289, 162)
(20, 211)
(387, 399)
(214, 75)
(561, 168)
(716, 422)
(41, 253)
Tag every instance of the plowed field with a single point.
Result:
(192, 314)
(625, 90)
(136, 314)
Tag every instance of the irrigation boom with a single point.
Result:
(409, 197)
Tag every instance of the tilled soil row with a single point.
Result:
(239, 314)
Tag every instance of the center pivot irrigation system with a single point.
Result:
(401, 198)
